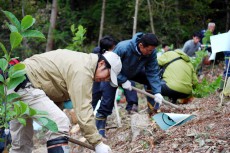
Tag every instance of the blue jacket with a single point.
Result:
(134, 62)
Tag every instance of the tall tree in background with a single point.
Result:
(151, 17)
(102, 21)
(135, 17)
(53, 17)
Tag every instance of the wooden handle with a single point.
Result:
(81, 143)
(152, 96)
(86, 145)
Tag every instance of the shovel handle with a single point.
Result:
(81, 143)
(75, 141)
(152, 96)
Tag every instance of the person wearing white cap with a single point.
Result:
(54, 77)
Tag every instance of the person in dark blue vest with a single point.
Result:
(139, 64)
(107, 43)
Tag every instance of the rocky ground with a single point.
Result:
(208, 132)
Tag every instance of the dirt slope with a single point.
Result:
(209, 132)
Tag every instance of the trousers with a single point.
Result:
(108, 95)
(22, 136)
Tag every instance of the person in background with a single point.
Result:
(139, 64)
(206, 41)
(192, 45)
(107, 43)
(178, 76)
(54, 77)
(164, 49)
(208, 33)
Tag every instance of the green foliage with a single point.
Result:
(205, 87)
(22, 28)
(11, 107)
(13, 19)
(15, 39)
(48, 123)
(196, 62)
(174, 20)
(78, 38)
(207, 35)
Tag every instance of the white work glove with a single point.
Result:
(127, 85)
(158, 98)
(102, 148)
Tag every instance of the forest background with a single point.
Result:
(173, 21)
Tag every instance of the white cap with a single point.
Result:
(115, 62)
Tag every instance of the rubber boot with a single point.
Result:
(58, 145)
(100, 124)
(221, 86)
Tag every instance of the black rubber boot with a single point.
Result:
(100, 124)
(58, 145)
(221, 87)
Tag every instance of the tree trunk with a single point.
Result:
(102, 21)
(151, 17)
(50, 40)
(227, 15)
(135, 17)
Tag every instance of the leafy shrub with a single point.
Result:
(11, 107)
(205, 87)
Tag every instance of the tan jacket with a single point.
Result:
(64, 74)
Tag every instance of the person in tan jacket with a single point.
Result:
(54, 77)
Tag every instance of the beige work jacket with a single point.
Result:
(64, 74)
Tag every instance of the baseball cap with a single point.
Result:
(115, 62)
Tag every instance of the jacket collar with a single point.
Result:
(138, 50)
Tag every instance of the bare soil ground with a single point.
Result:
(209, 132)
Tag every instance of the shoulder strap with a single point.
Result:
(175, 59)
(162, 69)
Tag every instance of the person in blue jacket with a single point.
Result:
(139, 64)
(107, 43)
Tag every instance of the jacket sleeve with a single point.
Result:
(80, 90)
(185, 47)
(120, 51)
(152, 73)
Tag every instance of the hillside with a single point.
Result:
(209, 132)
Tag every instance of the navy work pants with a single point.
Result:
(108, 95)
(172, 94)
(101, 89)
